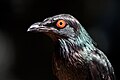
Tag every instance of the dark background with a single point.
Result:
(27, 56)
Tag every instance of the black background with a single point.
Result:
(32, 52)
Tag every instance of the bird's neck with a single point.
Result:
(67, 47)
(73, 48)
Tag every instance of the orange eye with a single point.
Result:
(61, 24)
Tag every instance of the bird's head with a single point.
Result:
(58, 26)
(66, 30)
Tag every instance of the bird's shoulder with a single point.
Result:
(99, 66)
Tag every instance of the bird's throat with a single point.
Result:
(66, 48)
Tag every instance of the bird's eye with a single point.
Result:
(61, 24)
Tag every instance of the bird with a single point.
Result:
(76, 55)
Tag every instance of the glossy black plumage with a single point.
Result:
(76, 57)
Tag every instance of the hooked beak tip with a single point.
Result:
(33, 27)
(28, 30)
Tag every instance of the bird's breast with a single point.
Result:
(64, 70)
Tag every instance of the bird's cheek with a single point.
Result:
(55, 31)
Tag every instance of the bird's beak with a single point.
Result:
(39, 27)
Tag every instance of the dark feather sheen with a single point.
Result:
(76, 56)
(79, 59)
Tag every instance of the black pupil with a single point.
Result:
(61, 23)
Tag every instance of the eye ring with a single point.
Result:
(61, 24)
